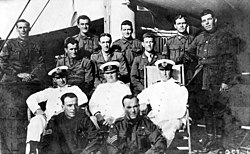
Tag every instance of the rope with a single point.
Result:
(14, 25)
(40, 14)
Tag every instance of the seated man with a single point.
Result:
(104, 103)
(134, 133)
(70, 131)
(53, 105)
(168, 100)
(21, 57)
(80, 70)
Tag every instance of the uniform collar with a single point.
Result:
(125, 40)
(23, 40)
(153, 53)
(133, 121)
(87, 36)
(181, 36)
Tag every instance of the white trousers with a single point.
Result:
(35, 128)
(169, 128)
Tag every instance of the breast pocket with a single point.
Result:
(141, 71)
(143, 138)
(15, 54)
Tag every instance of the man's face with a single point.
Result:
(126, 31)
(70, 107)
(23, 29)
(131, 108)
(71, 50)
(165, 75)
(208, 22)
(180, 25)
(60, 82)
(105, 43)
(83, 25)
(148, 44)
(111, 77)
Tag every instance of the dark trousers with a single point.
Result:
(213, 104)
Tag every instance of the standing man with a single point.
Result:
(148, 58)
(167, 99)
(129, 46)
(106, 54)
(70, 131)
(177, 45)
(80, 71)
(133, 133)
(104, 103)
(21, 57)
(53, 105)
(216, 68)
(88, 42)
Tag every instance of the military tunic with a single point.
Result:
(168, 101)
(98, 59)
(137, 71)
(216, 54)
(107, 99)
(175, 49)
(176, 46)
(135, 136)
(87, 44)
(53, 106)
(130, 49)
(66, 136)
(21, 56)
(80, 72)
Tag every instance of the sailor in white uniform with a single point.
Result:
(168, 101)
(105, 103)
(53, 105)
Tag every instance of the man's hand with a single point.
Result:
(28, 78)
(99, 117)
(39, 112)
(144, 109)
(224, 87)
(108, 121)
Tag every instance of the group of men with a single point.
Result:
(91, 93)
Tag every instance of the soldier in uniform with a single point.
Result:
(88, 42)
(165, 101)
(104, 55)
(53, 105)
(104, 101)
(129, 46)
(80, 71)
(176, 46)
(134, 133)
(214, 50)
(148, 58)
(21, 57)
(70, 131)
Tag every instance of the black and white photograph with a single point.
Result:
(124, 77)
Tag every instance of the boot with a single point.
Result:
(210, 143)
(33, 147)
(219, 140)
